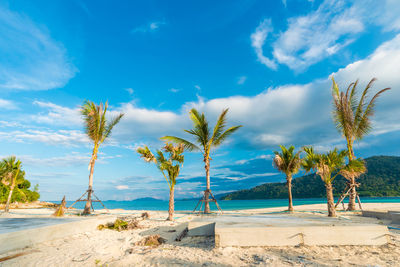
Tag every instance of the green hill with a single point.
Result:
(382, 179)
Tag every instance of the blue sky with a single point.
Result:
(268, 61)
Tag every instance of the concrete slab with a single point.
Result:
(393, 215)
(287, 230)
(17, 233)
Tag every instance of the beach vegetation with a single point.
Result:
(14, 187)
(98, 128)
(169, 166)
(120, 225)
(289, 163)
(206, 140)
(352, 117)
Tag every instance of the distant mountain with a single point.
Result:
(382, 179)
(147, 199)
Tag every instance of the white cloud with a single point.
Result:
(30, 59)
(150, 27)
(122, 187)
(241, 80)
(289, 114)
(197, 87)
(74, 159)
(130, 91)
(68, 138)
(57, 115)
(174, 90)
(324, 31)
(258, 39)
(71, 159)
(7, 104)
(321, 33)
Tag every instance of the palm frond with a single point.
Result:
(225, 135)
(188, 145)
(364, 123)
(146, 154)
(219, 126)
(114, 121)
(287, 161)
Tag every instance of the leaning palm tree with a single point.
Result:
(352, 117)
(326, 165)
(10, 174)
(206, 140)
(289, 163)
(171, 166)
(98, 129)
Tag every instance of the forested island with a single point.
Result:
(381, 179)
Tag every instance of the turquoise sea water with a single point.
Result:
(188, 205)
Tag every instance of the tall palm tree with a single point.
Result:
(10, 174)
(206, 140)
(325, 165)
(171, 166)
(352, 117)
(98, 129)
(289, 163)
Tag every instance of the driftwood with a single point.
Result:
(182, 234)
(61, 209)
(145, 215)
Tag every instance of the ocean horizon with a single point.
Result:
(189, 205)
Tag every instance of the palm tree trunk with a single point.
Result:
(171, 205)
(329, 197)
(207, 192)
(289, 185)
(353, 192)
(90, 188)
(7, 209)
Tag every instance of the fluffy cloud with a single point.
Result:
(258, 39)
(323, 32)
(57, 115)
(289, 114)
(29, 58)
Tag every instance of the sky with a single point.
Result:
(269, 62)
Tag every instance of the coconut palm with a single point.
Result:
(326, 165)
(98, 129)
(352, 117)
(206, 140)
(171, 166)
(10, 176)
(289, 163)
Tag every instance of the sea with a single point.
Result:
(189, 205)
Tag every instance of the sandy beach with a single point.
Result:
(113, 248)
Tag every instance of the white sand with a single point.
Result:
(112, 248)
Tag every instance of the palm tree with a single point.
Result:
(289, 163)
(166, 165)
(98, 129)
(353, 120)
(10, 172)
(325, 165)
(206, 141)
